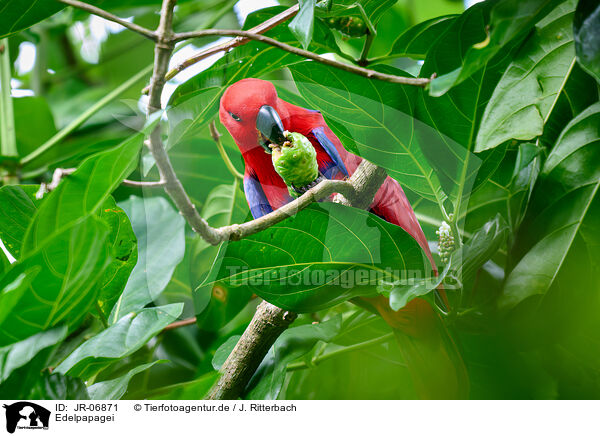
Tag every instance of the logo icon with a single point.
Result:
(26, 415)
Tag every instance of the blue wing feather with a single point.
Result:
(257, 200)
(337, 164)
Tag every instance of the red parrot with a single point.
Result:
(254, 116)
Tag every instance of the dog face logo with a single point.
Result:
(26, 415)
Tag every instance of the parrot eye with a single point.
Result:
(234, 116)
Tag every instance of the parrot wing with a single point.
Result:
(257, 200)
(334, 166)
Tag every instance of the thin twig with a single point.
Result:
(138, 184)
(110, 17)
(217, 138)
(182, 323)
(228, 45)
(365, 72)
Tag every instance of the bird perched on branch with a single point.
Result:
(256, 118)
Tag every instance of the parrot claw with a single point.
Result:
(303, 189)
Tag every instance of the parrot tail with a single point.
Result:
(432, 357)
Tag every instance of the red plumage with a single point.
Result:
(423, 337)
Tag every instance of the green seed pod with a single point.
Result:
(296, 160)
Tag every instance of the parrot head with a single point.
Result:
(249, 111)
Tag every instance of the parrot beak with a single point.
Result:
(270, 127)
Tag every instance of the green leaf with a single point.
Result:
(586, 27)
(566, 188)
(18, 207)
(416, 41)
(18, 354)
(12, 290)
(123, 252)
(59, 387)
(533, 82)
(199, 166)
(507, 192)
(224, 351)
(358, 113)
(507, 20)
(191, 390)
(161, 245)
(214, 307)
(83, 192)
(16, 15)
(72, 263)
(196, 101)
(324, 255)
(120, 340)
(303, 23)
(483, 245)
(28, 109)
(114, 389)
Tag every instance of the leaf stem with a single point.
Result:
(8, 145)
(73, 125)
(217, 138)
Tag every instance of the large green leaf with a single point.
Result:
(161, 244)
(455, 116)
(16, 15)
(128, 335)
(214, 307)
(83, 192)
(507, 192)
(586, 27)
(196, 101)
(71, 265)
(302, 25)
(18, 354)
(506, 21)
(566, 188)
(18, 206)
(416, 41)
(123, 252)
(28, 109)
(373, 119)
(114, 389)
(530, 87)
(322, 256)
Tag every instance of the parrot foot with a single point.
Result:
(303, 189)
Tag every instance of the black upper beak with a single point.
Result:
(270, 126)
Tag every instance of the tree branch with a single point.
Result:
(228, 45)
(365, 72)
(138, 184)
(110, 17)
(270, 321)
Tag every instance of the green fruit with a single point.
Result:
(352, 27)
(296, 161)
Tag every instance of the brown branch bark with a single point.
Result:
(108, 16)
(267, 324)
(365, 72)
